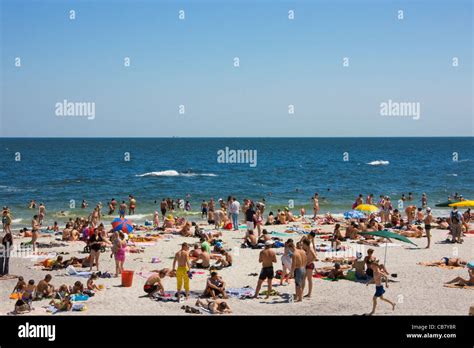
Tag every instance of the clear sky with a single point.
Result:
(190, 62)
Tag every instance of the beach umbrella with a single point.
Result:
(462, 204)
(354, 214)
(367, 208)
(391, 235)
(122, 224)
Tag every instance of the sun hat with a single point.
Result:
(268, 243)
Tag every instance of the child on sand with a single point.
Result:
(19, 285)
(90, 283)
(379, 290)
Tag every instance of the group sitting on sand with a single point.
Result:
(209, 252)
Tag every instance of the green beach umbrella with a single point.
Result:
(391, 235)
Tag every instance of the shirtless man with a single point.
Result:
(205, 259)
(182, 259)
(315, 205)
(35, 226)
(153, 283)
(410, 211)
(298, 269)
(310, 259)
(215, 285)
(41, 213)
(185, 231)
(428, 220)
(251, 240)
(44, 289)
(447, 261)
(267, 258)
(379, 290)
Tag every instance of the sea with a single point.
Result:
(61, 172)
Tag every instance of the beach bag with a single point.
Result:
(228, 226)
(455, 218)
(279, 274)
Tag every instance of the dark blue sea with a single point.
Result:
(56, 171)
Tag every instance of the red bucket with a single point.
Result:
(127, 278)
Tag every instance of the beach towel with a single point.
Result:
(459, 286)
(71, 271)
(79, 297)
(239, 292)
(8, 276)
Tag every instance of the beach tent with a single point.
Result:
(391, 235)
(367, 208)
(462, 204)
(122, 224)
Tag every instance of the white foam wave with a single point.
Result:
(379, 163)
(174, 173)
(452, 174)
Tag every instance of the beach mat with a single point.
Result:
(458, 286)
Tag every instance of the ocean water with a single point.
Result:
(56, 171)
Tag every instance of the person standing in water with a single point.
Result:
(41, 213)
(315, 205)
(132, 205)
(122, 209)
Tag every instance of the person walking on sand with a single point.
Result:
(182, 259)
(298, 263)
(35, 226)
(428, 220)
(379, 290)
(455, 224)
(267, 258)
(95, 243)
(310, 259)
(315, 205)
(234, 212)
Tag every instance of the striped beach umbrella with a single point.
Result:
(121, 224)
(367, 208)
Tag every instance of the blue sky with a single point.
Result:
(282, 62)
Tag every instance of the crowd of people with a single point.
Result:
(298, 260)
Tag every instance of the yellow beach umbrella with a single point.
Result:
(462, 204)
(367, 208)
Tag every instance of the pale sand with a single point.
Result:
(418, 291)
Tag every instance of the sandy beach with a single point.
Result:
(417, 290)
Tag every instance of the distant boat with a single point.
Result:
(446, 204)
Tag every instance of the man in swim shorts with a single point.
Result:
(298, 268)
(267, 258)
(379, 290)
(182, 259)
(153, 283)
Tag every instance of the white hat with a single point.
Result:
(269, 243)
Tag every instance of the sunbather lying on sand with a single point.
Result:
(336, 272)
(214, 306)
(464, 282)
(413, 232)
(446, 261)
